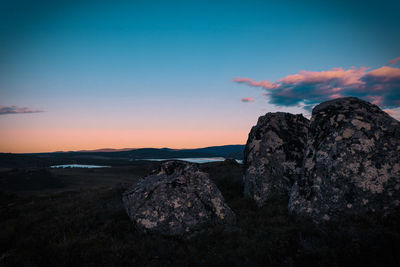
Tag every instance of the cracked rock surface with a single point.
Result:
(352, 162)
(177, 200)
(273, 155)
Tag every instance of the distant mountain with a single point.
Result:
(228, 151)
(107, 150)
(115, 158)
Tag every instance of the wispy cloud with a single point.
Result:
(393, 61)
(247, 99)
(265, 84)
(307, 88)
(5, 110)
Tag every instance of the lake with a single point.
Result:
(195, 160)
(78, 166)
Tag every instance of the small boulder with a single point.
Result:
(352, 162)
(273, 155)
(176, 200)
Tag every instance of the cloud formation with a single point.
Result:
(308, 88)
(265, 84)
(394, 61)
(5, 110)
(395, 112)
(247, 99)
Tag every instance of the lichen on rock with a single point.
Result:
(176, 200)
(273, 155)
(352, 146)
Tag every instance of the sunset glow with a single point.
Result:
(48, 140)
(183, 74)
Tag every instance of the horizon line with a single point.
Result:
(117, 149)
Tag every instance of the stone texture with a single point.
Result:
(176, 200)
(352, 162)
(273, 155)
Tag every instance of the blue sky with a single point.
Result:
(169, 65)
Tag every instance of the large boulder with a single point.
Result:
(176, 200)
(352, 162)
(273, 155)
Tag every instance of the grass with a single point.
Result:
(87, 226)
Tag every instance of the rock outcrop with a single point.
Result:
(352, 162)
(177, 200)
(273, 155)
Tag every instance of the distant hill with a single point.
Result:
(106, 150)
(116, 157)
(228, 151)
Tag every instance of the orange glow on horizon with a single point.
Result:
(50, 140)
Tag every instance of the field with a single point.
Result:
(74, 217)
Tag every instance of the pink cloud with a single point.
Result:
(386, 73)
(376, 100)
(380, 86)
(346, 77)
(395, 113)
(247, 99)
(265, 84)
(393, 61)
(335, 96)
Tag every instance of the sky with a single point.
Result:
(78, 75)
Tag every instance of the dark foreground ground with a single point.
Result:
(74, 217)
